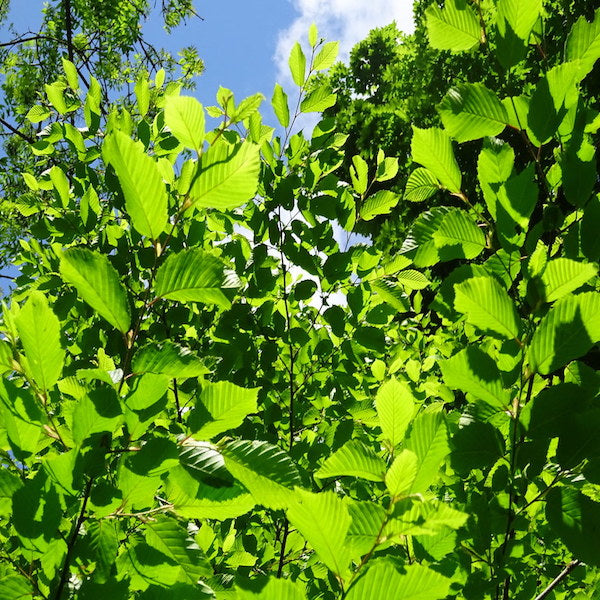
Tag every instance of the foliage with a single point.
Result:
(105, 47)
(395, 80)
(204, 396)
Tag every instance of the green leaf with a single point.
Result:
(590, 240)
(56, 96)
(412, 280)
(393, 294)
(359, 174)
(563, 276)
(222, 406)
(313, 35)
(401, 475)
(421, 185)
(276, 589)
(458, 236)
(21, 418)
(432, 148)
(98, 412)
(195, 276)
(515, 21)
(518, 197)
(323, 520)
(97, 282)
(494, 167)
(583, 43)
(145, 390)
(568, 331)
(15, 587)
(169, 359)
(279, 101)
(318, 100)
(144, 190)
(105, 545)
(39, 330)
(228, 176)
(383, 582)
(576, 519)
(428, 439)
(193, 499)
(142, 94)
(471, 111)
(167, 536)
(38, 113)
(488, 307)
(326, 56)
(265, 470)
(455, 27)
(297, 63)
(353, 459)
(184, 116)
(395, 408)
(380, 203)
(473, 371)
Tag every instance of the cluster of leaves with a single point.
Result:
(394, 81)
(105, 43)
(205, 396)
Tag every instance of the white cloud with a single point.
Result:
(347, 21)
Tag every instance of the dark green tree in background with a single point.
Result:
(394, 81)
(105, 43)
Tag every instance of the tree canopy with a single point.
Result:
(203, 395)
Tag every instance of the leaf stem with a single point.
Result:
(566, 571)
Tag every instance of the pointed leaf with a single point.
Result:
(280, 106)
(401, 475)
(568, 331)
(583, 43)
(383, 582)
(167, 536)
(265, 470)
(228, 176)
(471, 111)
(563, 275)
(323, 519)
(39, 330)
(421, 185)
(195, 276)
(458, 236)
(222, 406)
(455, 27)
(97, 282)
(326, 56)
(395, 408)
(473, 371)
(380, 203)
(276, 589)
(168, 359)
(297, 63)
(488, 307)
(353, 459)
(432, 148)
(185, 118)
(144, 190)
(428, 439)
(318, 100)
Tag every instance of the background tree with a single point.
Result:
(394, 81)
(104, 42)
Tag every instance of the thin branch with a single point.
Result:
(558, 579)
(64, 574)
(14, 130)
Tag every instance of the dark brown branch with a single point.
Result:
(68, 28)
(64, 574)
(14, 130)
